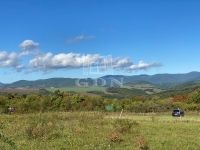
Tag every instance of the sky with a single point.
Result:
(42, 39)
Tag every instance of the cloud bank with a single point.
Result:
(51, 61)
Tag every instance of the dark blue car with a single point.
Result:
(177, 113)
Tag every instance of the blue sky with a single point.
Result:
(143, 37)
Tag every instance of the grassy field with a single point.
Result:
(100, 131)
(80, 89)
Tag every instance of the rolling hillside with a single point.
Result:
(148, 83)
(162, 80)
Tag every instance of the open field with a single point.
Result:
(100, 131)
(80, 89)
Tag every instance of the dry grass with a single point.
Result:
(94, 130)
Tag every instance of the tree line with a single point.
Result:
(65, 101)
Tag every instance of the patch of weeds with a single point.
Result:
(142, 144)
(8, 141)
(124, 125)
(5, 139)
(120, 128)
(91, 120)
(41, 129)
(115, 137)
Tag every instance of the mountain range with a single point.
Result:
(161, 80)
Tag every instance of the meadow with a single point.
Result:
(79, 89)
(99, 131)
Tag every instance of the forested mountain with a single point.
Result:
(160, 80)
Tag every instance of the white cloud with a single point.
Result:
(50, 61)
(8, 59)
(80, 38)
(121, 62)
(28, 46)
(63, 60)
(143, 66)
(12, 59)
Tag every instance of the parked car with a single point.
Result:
(177, 113)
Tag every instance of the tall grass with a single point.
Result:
(95, 130)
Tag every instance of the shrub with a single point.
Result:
(142, 143)
(124, 125)
(115, 137)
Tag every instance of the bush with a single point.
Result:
(124, 125)
(115, 137)
(142, 143)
